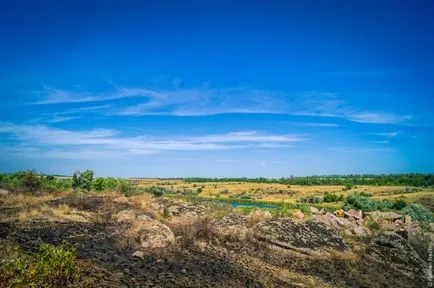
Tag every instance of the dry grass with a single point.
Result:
(61, 213)
(281, 193)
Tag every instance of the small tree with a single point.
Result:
(31, 182)
(85, 180)
(82, 180)
(76, 179)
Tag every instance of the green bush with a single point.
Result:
(98, 184)
(349, 186)
(332, 197)
(110, 183)
(31, 182)
(82, 180)
(363, 203)
(86, 180)
(125, 188)
(418, 213)
(49, 267)
(399, 204)
(157, 191)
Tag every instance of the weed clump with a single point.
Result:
(51, 266)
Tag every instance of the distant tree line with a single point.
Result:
(413, 179)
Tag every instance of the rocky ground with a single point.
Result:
(131, 242)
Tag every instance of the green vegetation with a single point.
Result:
(157, 191)
(418, 213)
(348, 181)
(332, 197)
(30, 182)
(363, 203)
(50, 266)
(327, 198)
(372, 225)
(82, 180)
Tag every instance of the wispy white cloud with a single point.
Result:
(205, 101)
(386, 134)
(51, 95)
(378, 117)
(61, 143)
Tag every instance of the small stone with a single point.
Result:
(313, 210)
(138, 254)
(298, 215)
(353, 214)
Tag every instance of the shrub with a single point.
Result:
(156, 191)
(31, 182)
(125, 188)
(348, 186)
(332, 197)
(418, 213)
(86, 180)
(399, 204)
(363, 203)
(50, 266)
(82, 180)
(110, 183)
(98, 184)
(199, 190)
(76, 179)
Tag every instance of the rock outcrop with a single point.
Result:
(153, 234)
(231, 226)
(394, 250)
(307, 237)
(150, 233)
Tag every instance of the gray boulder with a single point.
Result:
(305, 237)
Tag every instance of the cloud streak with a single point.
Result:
(66, 143)
(206, 101)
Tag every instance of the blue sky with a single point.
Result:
(217, 88)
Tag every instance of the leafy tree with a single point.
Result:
(85, 180)
(82, 180)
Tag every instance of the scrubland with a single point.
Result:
(55, 232)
